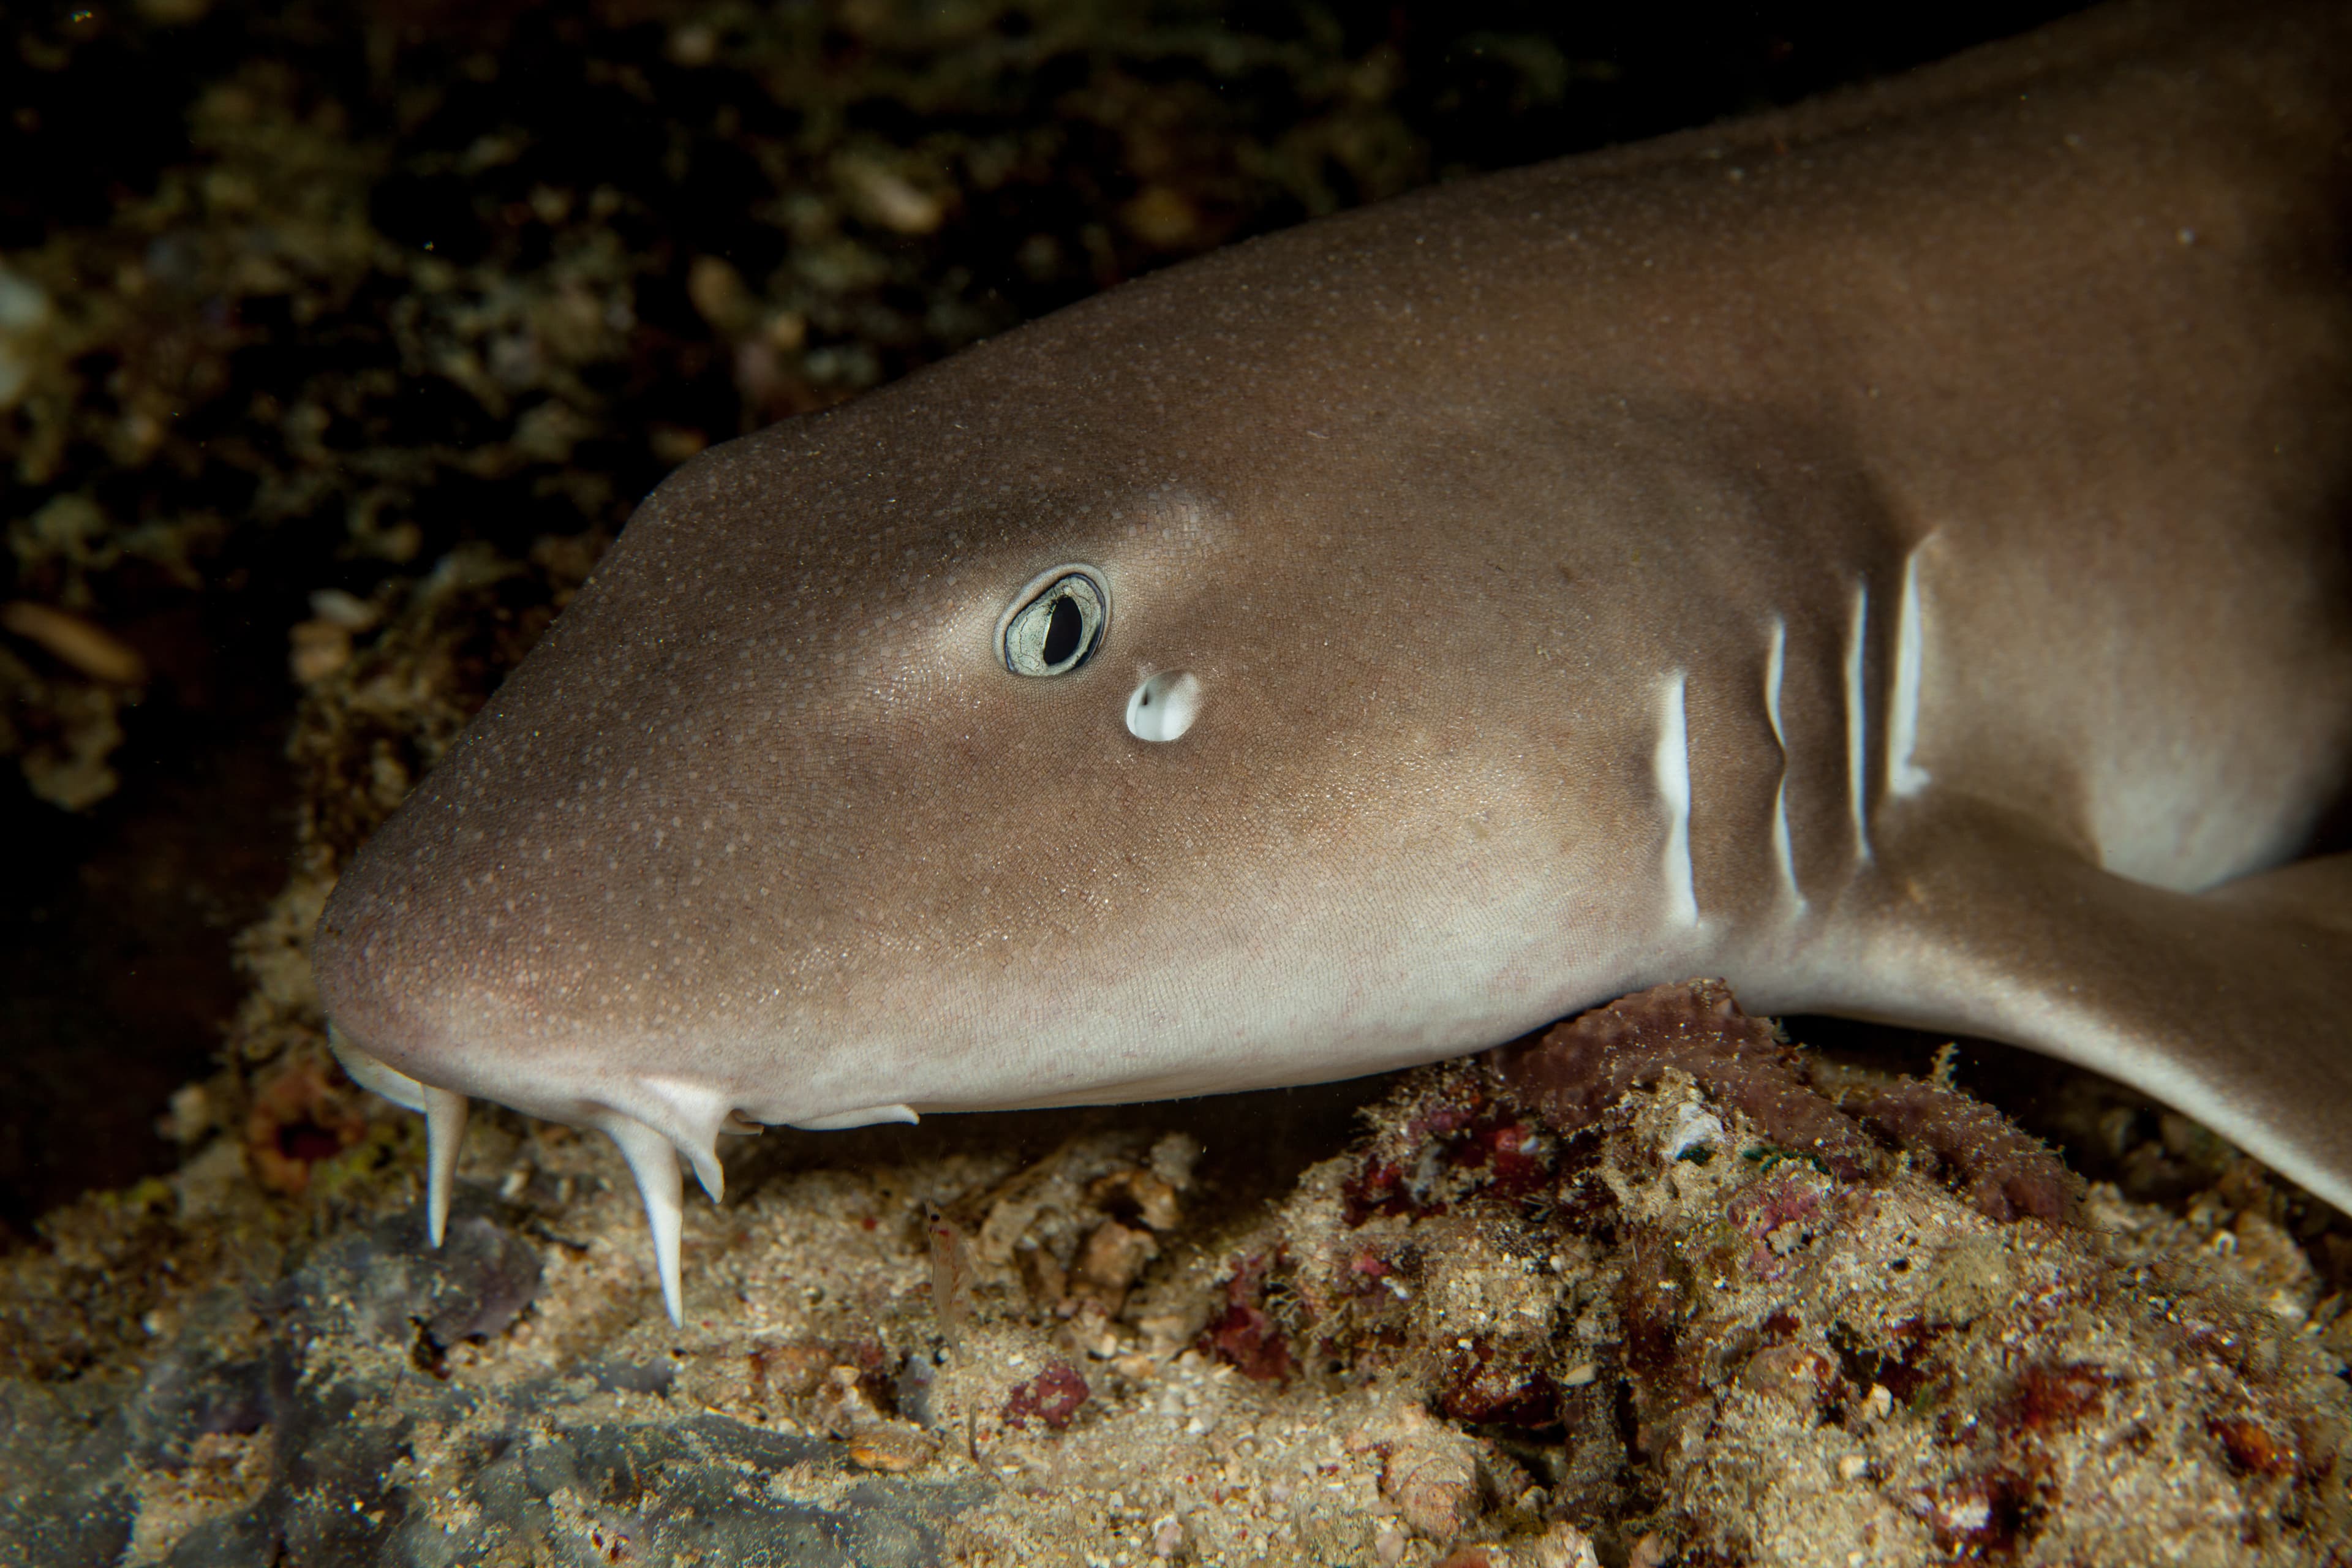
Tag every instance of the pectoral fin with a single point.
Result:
(2233, 1006)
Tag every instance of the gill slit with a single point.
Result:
(1904, 776)
(1671, 767)
(1776, 663)
(1856, 721)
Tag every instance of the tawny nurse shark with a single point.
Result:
(1891, 554)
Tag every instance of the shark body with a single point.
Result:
(1892, 553)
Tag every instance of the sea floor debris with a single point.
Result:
(1707, 1314)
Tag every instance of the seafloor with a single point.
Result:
(335, 342)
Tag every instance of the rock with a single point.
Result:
(375, 1454)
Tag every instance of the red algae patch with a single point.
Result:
(302, 1113)
(1051, 1398)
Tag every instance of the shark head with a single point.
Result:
(1070, 723)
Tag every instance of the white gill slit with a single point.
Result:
(1672, 768)
(444, 1131)
(1855, 718)
(1776, 663)
(1903, 775)
(653, 1160)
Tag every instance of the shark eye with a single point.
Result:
(1056, 623)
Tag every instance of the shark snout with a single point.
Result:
(430, 1004)
(366, 982)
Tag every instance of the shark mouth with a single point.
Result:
(652, 1154)
(672, 1124)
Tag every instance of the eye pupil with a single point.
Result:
(1061, 631)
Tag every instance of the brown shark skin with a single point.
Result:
(1437, 499)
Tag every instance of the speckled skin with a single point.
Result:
(2048, 349)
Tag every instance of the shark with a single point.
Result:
(1894, 554)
